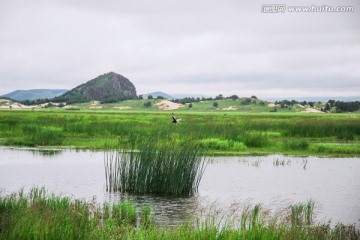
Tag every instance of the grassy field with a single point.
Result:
(218, 132)
(39, 216)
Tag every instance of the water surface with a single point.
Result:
(274, 181)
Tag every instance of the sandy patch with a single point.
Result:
(231, 108)
(4, 100)
(46, 104)
(56, 104)
(301, 106)
(123, 108)
(95, 107)
(18, 106)
(271, 105)
(312, 110)
(168, 105)
(70, 106)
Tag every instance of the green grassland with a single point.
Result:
(218, 132)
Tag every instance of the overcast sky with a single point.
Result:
(184, 46)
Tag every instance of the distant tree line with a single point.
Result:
(288, 104)
(331, 105)
(246, 101)
(70, 98)
(344, 106)
(151, 97)
(35, 102)
(338, 106)
(114, 99)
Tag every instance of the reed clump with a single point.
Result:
(156, 166)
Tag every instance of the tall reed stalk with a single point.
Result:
(157, 166)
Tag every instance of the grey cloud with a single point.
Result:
(179, 46)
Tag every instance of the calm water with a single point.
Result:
(334, 183)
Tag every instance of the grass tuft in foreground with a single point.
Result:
(158, 167)
(39, 216)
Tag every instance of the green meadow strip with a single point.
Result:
(227, 133)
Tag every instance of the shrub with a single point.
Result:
(147, 104)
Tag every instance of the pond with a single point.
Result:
(273, 181)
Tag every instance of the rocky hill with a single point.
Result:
(109, 87)
(33, 94)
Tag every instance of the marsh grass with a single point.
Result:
(157, 167)
(47, 137)
(281, 162)
(296, 144)
(238, 133)
(37, 215)
(302, 213)
(334, 149)
(222, 144)
(255, 139)
(256, 163)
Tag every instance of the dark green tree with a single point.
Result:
(219, 97)
(246, 101)
(234, 97)
(147, 104)
(327, 107)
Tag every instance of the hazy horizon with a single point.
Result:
(270, 99)
(183, 47)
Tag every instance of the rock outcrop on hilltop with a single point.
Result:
(109, 87)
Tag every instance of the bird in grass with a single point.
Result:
(175, 120)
